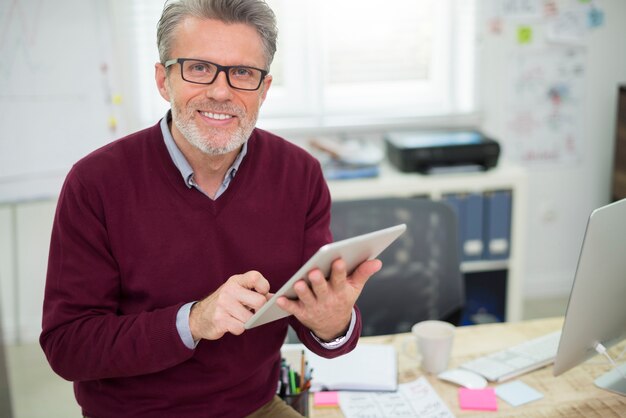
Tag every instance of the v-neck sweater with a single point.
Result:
(131, 243)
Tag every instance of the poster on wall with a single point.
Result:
(57, 97)
(544, 105)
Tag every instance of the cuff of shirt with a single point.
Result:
(339, 341)
(182, 325)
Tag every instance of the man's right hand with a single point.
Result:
(229, 307)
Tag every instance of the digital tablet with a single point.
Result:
(353, 251)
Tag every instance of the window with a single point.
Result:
(345, 61)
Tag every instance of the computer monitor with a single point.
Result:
(596, 312)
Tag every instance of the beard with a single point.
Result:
(207, 140)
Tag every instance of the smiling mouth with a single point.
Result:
(216, 116)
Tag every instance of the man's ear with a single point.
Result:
(267, 82)
(160, 76)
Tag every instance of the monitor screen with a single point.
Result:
(596, 312)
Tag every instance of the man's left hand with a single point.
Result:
(326, 306)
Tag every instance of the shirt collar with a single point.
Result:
(181, 162)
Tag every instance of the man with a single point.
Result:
(165, 241)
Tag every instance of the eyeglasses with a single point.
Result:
(204, 72)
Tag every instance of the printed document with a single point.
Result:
(416, 399)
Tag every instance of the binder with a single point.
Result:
(497, 224)
(473, 224)
(469, 209)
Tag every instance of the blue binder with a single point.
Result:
(497, 224)
(473, 246)
(469, 209)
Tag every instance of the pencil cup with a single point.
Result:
(299, 402)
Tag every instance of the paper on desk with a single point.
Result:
(371, 367)
(416, 399)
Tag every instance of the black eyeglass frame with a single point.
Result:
(220, 68)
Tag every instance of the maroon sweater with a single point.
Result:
(131, 244)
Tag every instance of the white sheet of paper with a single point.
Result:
(416, 399)
(369, 367)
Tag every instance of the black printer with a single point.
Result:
(424, 151)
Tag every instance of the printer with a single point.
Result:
(425, 151)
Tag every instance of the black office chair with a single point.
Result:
(421, 277)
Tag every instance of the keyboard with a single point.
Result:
(516, 360)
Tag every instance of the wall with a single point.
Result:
(561, 194)
(57, 103)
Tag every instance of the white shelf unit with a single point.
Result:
(393, 183)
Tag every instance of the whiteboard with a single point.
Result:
(55, 91)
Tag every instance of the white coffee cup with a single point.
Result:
(434, 342)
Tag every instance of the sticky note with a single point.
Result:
(595, 18)
(517, 393)
(524, 34)
(495, 26)
(551, 8)
(326, 399)
(478, 399)
(112, 123)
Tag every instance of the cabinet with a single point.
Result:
(25, 229)
(505, 177)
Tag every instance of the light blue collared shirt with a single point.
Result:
(185, 168)
(179, 160)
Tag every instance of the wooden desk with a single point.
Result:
(572, 394)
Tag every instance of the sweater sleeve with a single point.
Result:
(305, 336)
(84, 334)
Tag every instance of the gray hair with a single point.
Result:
(255, 13)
